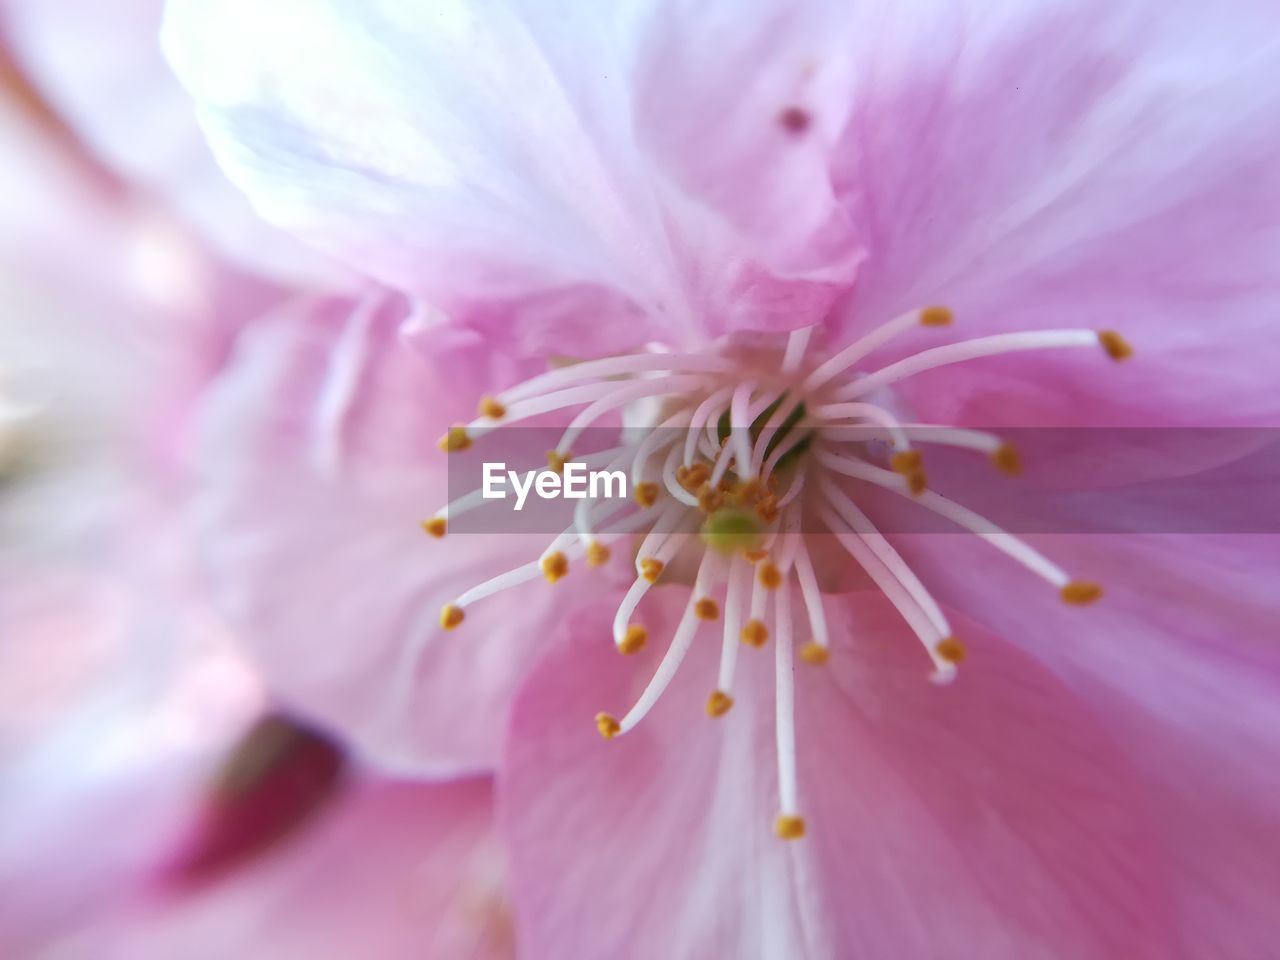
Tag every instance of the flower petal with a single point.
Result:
(102, 69)
(992, 813)
(1076, 164)
(420, 860)
(475, 153)
(1179, 655)
(318, 467)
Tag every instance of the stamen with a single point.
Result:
(675, 654)
(663, 434)
(619, 366)
(966, 350)
(607, 725)
(620, 396)
(950, 649)
(896, 594)
(813, 605)
(718, 703)
(463, 504)
(739, 572)
(784, 674)
(797, 485)
(455, 440)
(701, 414)
(881, 335)
(597, 554)
(789, 827)
(649, 569)
(451, 616)
(1117, 347)
(755, 634)
(769, 575)
(672, 480)
(634, 639)
(707, 609)
(884, 552)
(770, 431)
(646, 494)
(576, 396)
(814, 653)
(555, 566)
(797, 344)
(980, 526)
(491, 408)
(1006, 459)
(436, 526)
(1081, 592)
(906, 462)
(935, 317)
(865, 411)
(740, 429)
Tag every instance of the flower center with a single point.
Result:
(744, 454)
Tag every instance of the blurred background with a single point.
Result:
(153, 802)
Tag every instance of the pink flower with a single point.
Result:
(761, 206)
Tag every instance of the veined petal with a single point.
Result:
(992, 813)
(1179, 656)
(470, 152)
(1062, 164)
(318, 465)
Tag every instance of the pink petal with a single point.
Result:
(993, 813)
(319, 464)
(102, 70)
(474, 154)
(393, 870)
(1076, 165)
(1180, 656)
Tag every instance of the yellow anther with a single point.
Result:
(814, 653)
(556, 460)
(608, 726)
(936, 317)
(1006, 459)
(769, 574)
(710, 499)
(692, 478)
(755, 556)
(634, 639)
(1081, 592)
(651, 569)
(1117, 347)
(789, 827)
(755, 634)
(597, 554)
(950, 649)
(906, 462)
(706, 609)
(451, 616)
(491, 408)
(742, 494)
(767, 508)
(718, 703)
(646, 494)
(455, 439)
(917, 482)
(554, 566)
(436, 526)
